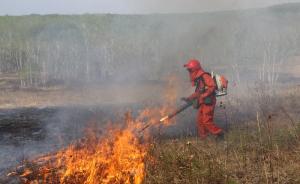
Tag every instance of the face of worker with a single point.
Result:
(189, 70)
(192, 74)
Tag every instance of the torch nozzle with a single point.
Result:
(177, 111)
(164, 118)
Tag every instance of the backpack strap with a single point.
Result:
(203, 81)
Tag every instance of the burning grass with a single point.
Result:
(116, 157)
(251, 153)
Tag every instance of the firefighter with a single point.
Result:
(205, 99)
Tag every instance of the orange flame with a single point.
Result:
(164, 119)
(115, 157)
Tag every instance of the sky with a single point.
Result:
(24, 7)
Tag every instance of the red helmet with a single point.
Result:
(193, 65)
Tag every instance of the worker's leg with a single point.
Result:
(202, 132)
(208, 119)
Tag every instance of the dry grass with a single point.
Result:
(92, 95)
(241, 158)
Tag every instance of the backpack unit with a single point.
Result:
(221, 84)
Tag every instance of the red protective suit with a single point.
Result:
(204, 93)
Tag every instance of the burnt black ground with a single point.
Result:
(28, 132)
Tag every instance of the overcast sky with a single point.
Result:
(21, 7)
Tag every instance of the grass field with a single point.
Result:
(262, 148)
(244, 157)
(59, 95)
(258, 157)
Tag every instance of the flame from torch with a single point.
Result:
(177, 111)
(164, 119)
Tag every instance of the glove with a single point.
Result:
(205, 100)
(195, 103)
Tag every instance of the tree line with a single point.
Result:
(99, 48)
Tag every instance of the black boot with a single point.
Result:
(220, 137)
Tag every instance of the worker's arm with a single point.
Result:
(194, 96)
(210, 86)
